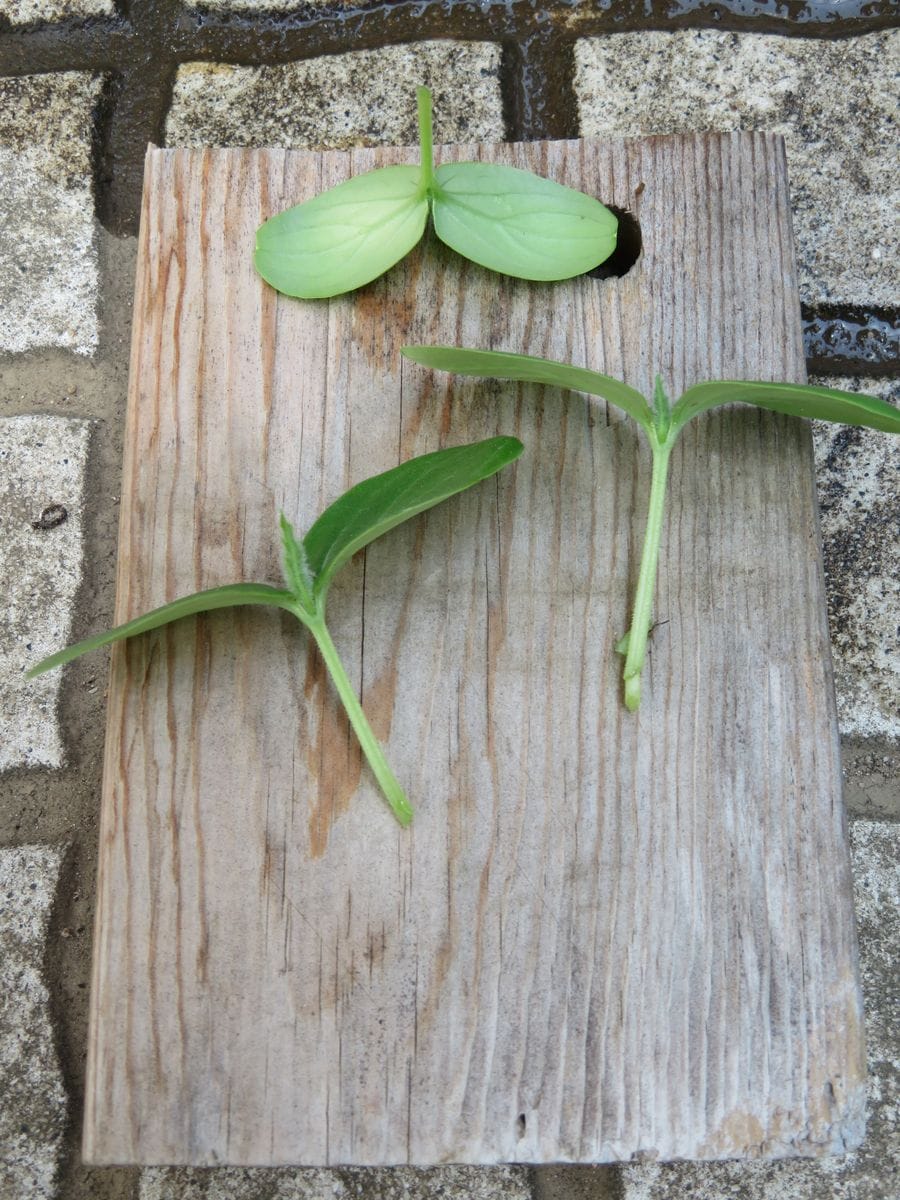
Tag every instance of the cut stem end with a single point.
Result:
(401, 808)
(633, 693)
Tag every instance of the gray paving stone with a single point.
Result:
(858, 473)
(876, 882)
(834, 101)
(871, 1173)
(396, 1183)
(366, 97)
(42, 466)
(29, 12)
(32, 1098)
(48, 257)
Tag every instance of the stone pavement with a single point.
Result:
(83, 85)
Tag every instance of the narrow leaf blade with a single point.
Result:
(498, 364)
(520, 224)
(662, 409)
(220, 597)
(378, 504)
(345, 237)
(795, 399)
(295, 566)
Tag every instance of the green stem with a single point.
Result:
(636, 640)
(426, 146)
(387, 781)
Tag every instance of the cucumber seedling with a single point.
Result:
(357, 518)
(500, 217)
(662, 422)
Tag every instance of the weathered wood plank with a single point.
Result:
(604, 935)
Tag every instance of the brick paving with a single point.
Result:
(84, 85)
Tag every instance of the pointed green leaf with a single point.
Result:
(498, 364)
(795, 399)
(518, 223)
(345, 237)
(384, 501)
(220, 597)
(662, 409)
(296, 568)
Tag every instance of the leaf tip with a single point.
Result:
(422, 355)
(404, 815)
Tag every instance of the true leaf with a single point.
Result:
(220, 597)
(662, 409)
(498, 364)
(795, 399)
(384, 501)
(518, 223)
(345, 237)
(295, 566)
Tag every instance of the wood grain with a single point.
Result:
(605, 935)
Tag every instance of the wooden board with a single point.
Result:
(605, 935)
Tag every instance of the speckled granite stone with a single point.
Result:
(48, 257)
(33, 1104)
(834, 101)
(30, 12)
(858, 475)
(43, 461)
(366, 97)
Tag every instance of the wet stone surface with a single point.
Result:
(858, 477)
(363, 98)
(274, 6)
(837, 339)
(834, 102)
(42, 468)
(48, 259)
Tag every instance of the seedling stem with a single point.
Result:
(371, 747)
(426, 141)
(634, 644)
